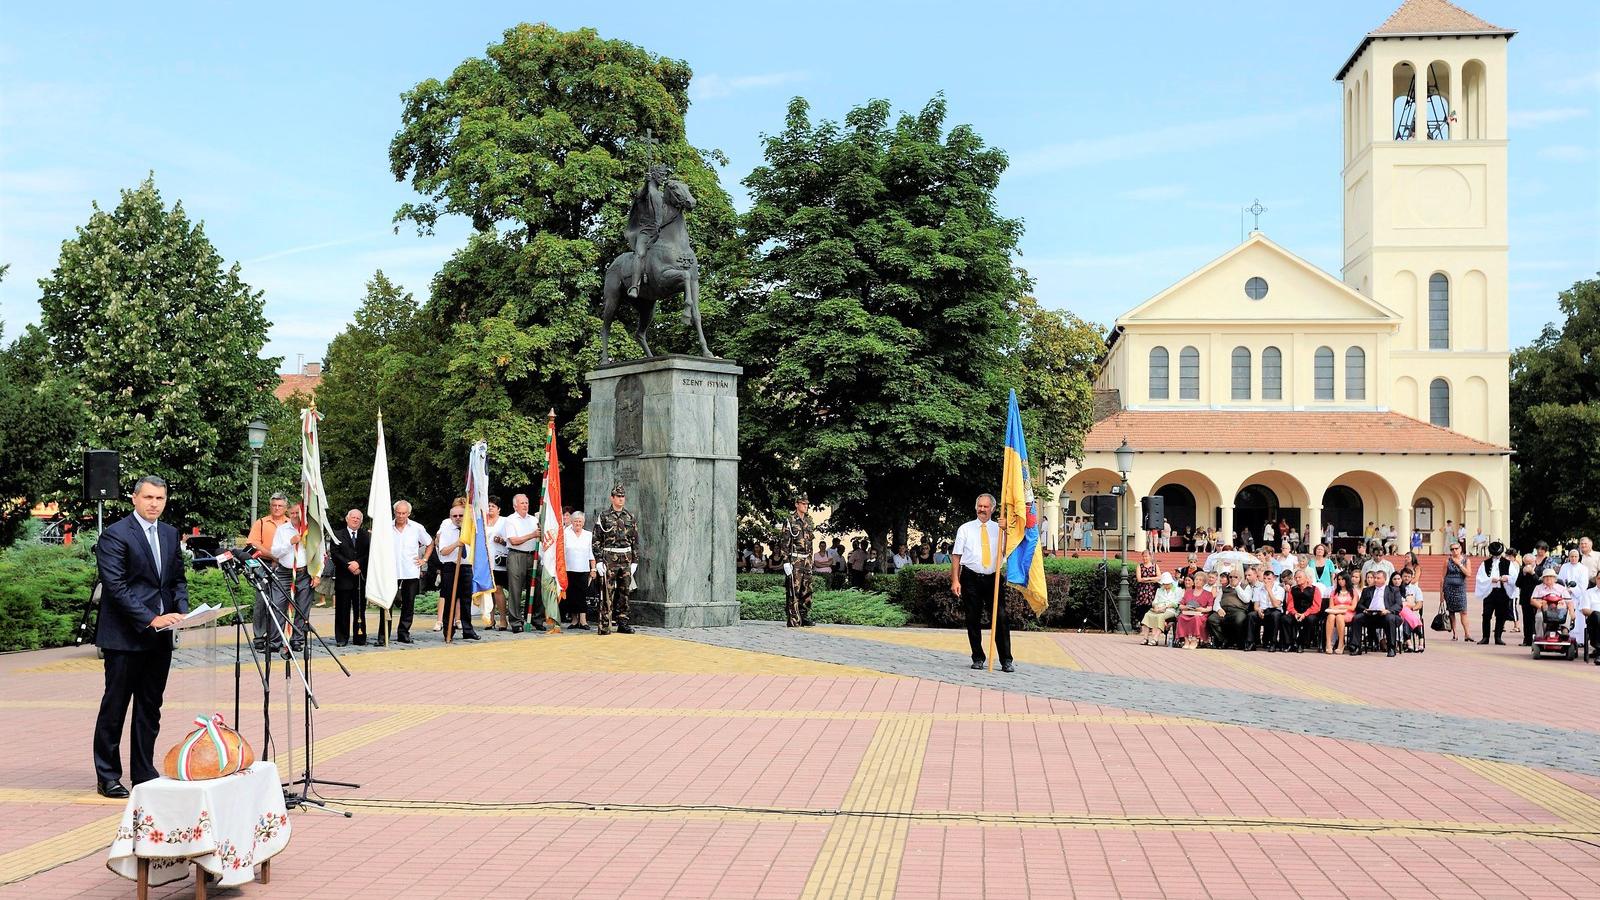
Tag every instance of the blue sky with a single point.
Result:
(1136, 131)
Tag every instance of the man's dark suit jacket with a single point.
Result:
(131, 594)
(342, 554)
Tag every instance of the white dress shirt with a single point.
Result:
(520, 526)
(449, 532)
(288, 554)
(969, 546)
(408, 545)
(579, 549)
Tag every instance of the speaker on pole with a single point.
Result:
(101, 475)
(1105, 511)
(1154, 508)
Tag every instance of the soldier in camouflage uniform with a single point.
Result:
(616, 551)
(794, 543)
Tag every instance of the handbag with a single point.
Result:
(1410, 617)
(1439, 623)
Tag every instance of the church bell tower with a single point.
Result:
(1424, 105)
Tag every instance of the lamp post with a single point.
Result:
(1124, 600)
(258, 438)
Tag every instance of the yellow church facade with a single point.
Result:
(1261, 388)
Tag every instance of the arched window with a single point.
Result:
(1158, 373)
(1438, 312)
(1323, 371)
(1439, 403)
(1272, 374)
(1188, 374)
(1355, 374)
(1241, 373)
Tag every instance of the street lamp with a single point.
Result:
(1124, 600)
(258, 438)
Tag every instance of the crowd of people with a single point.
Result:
(1078, 533)
(441, 561)
(852, 566)
(1275, 599)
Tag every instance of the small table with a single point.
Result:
(224, 826)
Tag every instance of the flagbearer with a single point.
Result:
(617, 559)
(794, 542)
(455, 578)
(288, 550)
(972, 573)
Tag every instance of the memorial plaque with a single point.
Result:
(628, 429)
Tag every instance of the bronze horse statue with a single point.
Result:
(660, 264)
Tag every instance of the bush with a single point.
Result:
(43, 590)
(830, 607)
(1072, 589)
(773, 581)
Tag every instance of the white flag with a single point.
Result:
(382, 580)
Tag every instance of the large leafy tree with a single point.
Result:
(540, 143)
(1058, 358)
(162, 343)
(1555, 424)
(878, 328)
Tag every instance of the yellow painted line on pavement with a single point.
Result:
(1029, 647)
(860, 857)
(1299, 685)
(1557, 797)
(86, 839)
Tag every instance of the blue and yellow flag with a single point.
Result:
(1019, 516)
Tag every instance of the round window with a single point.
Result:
(1255, 288)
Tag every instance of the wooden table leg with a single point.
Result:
(144, 879)
(266, 872)
(199, 882)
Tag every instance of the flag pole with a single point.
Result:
(455, 585)
(994, 612)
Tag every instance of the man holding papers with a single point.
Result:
(142, 590)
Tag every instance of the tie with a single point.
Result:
(155, 547)
(352, 536)
(988, 550)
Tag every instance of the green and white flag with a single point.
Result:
(314, 502)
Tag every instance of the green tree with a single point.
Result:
(41, 428)
(879, 320)
(1555, 424)
(540, 144)
(163, 344)
(1059, 357)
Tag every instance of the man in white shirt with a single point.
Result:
(1589, 556)
(412, 545)
(578, 543)
(973, 561)
(521, 536)
(455, 576)
(291, 556)
(494, 529)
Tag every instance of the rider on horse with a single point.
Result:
(649, 213)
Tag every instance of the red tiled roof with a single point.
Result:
(1416, 18)
(1227, 431)
(289, 385)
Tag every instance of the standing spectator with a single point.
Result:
(455, 582)
(495, 529)
(822, 564)
(578, 546)
(260, 540)
(837, 561)
(1589, 556)
(942, 555)
(1454, 590)
(1046, 536)
(1496, 579)
(1166, 536)
(900, 560)
(1077, 533)
(522, 534)
(1148, 579)
(974, 559)
(1088, 535)
(1248, 540)
(1527, 579)
(348, 559)
(412, 546)
(1573, 574)
(1416, 541)
(858, 564)
(1322, 568)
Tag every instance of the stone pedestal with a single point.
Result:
(667, 427)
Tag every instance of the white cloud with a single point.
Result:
(1164, 141)
(1565, 153)
(1586, 81)
(1533, 118)
(714, 86)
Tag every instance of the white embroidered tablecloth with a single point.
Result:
(227, 825)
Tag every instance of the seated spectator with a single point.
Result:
(1266, 626)
(1552, 604)
(1188, 568)
(1193, 614)
(1379, 607)
(1411, 619)
(1163, 609)
(1340, 605)
(1302, 611)
(1236, 604)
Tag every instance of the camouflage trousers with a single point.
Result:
(616, 588)
(797, 599)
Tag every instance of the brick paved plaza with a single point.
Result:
(853, 762)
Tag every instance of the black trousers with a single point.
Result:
(405, 600)
(1498, 605)
(1530, 618)
(1591, 631)
(1294, 632)
(455, 585)
(1216, 630)
(1388, 622)
(977, 596)
(1267, 627)
(139, 676)
(349, 610)
(576, 602)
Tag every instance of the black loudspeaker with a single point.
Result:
(101, 475)
(1155, 512)
(1069, 508)
(1105, 511)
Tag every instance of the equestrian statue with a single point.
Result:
(660, 264)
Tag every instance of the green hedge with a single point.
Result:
(1072, 588)
(831, 607)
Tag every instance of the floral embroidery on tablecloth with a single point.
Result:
(269, 826)
(143, 828)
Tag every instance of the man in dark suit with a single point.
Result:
(348, 559)
(142, 590)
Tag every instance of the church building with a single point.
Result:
(1261, 388)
